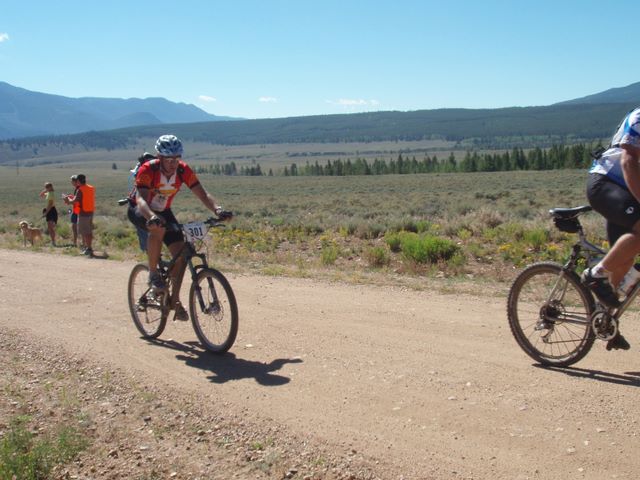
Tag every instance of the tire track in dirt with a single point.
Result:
(430, 385)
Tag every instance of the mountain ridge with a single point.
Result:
(25, 113)
(612, 95)
(591, 118)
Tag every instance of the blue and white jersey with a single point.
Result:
(628, 133)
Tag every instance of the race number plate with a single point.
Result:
(195, 231)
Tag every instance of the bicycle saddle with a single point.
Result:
(566, 213)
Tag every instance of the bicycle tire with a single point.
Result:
(217, 324)
(565, 341)
(147, 310)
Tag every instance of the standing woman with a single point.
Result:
(75, 209)
(50, 212)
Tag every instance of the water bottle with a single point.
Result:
(630, 280)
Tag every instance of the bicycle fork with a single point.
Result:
(206, 307)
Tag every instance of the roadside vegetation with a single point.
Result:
(24, 455)
(475, 225)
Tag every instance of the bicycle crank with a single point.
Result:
(604, 325)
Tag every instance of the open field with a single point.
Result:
(337, 225)
(272, 155)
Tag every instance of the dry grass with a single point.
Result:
(312, 225)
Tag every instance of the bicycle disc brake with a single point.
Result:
(604, 325)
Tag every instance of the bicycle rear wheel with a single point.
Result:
(549, 314)
(214, 311)
(147, 309)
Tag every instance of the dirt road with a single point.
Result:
(422, 385)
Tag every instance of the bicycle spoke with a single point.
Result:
(147, 309)
(214, 312)
(549, 315)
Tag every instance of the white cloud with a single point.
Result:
(4, 37)
(352, 102)
(268, 99)
(207, 98)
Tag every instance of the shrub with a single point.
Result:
(464, 233)
(427, 249)
(536, 238)
(423, 226)
(408, 225)
(329, 255)
(22, 456)
(345, 230)
(369, 231)
(393, 240)
(489, 218)
(377, 256)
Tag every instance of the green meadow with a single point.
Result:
(387, 228)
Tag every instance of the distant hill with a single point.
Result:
(496, 128)
(588, 119)
(630, 93)
(24, 113)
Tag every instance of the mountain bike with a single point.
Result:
(212, 303)
(553, 316)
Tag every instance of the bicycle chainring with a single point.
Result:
(604, 325)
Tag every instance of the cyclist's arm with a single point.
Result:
(142, 199)
(204, 196)
(630, 163)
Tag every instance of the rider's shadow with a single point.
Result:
(630, 379)
(229, 367)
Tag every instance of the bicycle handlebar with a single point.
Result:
(210, 222)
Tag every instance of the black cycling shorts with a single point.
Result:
(52, 215)
(615, 203)
(170, 236)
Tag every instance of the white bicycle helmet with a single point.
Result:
(169, 146)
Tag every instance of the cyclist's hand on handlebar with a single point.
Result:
(223, 214)
(155, 221)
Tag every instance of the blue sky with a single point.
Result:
(280, 58)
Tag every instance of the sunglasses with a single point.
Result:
(174, 158)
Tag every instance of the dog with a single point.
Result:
(30, 233)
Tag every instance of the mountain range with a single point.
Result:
(113, 123)
(24, 113)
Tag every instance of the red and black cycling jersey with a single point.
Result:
(163, 189)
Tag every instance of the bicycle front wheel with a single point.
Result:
(147, 309)
(549, 314)
(214, 311)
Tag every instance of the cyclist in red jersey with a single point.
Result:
(157, 183)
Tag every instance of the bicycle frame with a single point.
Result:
(188, 252)
(213, 309)
(583, 248)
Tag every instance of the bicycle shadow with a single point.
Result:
(228, 367)
(629, 379)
